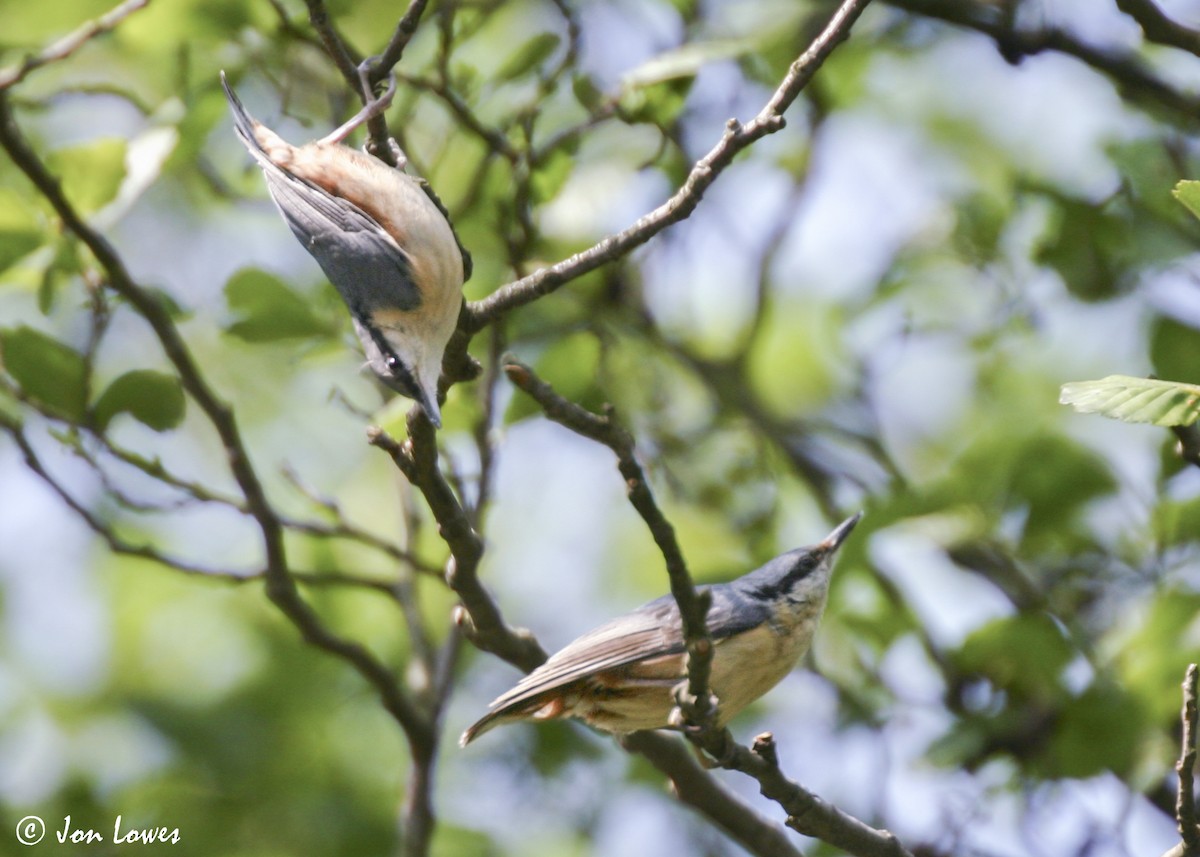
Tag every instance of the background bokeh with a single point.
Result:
(871, 309)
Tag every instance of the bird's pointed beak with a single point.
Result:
(840, 533)
(429, 405)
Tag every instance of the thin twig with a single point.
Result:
(401, 36)
(1185, 801)
(697, 788)
(70, 43)
(727, 382)
(343, 56)
(497, 142)
(115, 543)
(807, 813)
(196, 491)
(292, 30)
(479, 615)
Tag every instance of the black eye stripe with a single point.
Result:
(402, 376)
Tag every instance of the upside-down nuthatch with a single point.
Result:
(621, 676)
(380, 239)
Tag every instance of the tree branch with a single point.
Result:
(736, 138)
(70, 43)
(697, 788)
(479, 616)
(1123, 67)
(1185, 799)
(339, 51)
(406, 28)
(807, 813)
(1160, 29)
(480, 619)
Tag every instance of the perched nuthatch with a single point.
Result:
(621, 676)
(380, 239)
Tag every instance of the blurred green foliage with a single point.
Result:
(892, 338)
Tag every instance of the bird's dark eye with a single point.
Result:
(392, 361)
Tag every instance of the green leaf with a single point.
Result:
(269, 310)
(529, 56)
(1160, 641)
(48, 372)
(1174, 348)
(1135, 400)
(144, 159)
(1096, 731)
(1056, 494)
(19, 230)
(980, 221)
(658, 105)
(61, 269)
(686, 61)
(1176, 522)
(451, 841)
(586, 92)
(152, 398)
(1085, 243)
(1024, 654)
(15, 244)
(551, 175)
(10, 409)
(393, 417)
(91, 174)
(802, 337)
(1188, 192)
(570, 365)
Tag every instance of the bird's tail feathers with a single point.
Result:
(541, 707)
(243, 123)
(486, 723)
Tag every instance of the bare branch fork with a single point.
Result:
(479, 616)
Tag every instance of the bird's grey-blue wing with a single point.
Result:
(648, 632)
(651, 631)
(367, 267)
